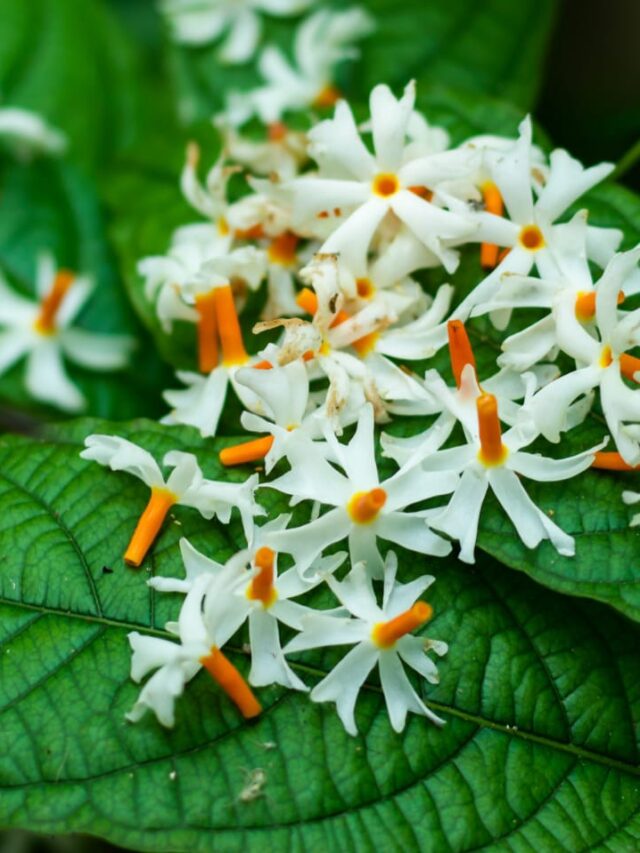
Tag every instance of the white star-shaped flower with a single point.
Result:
(200, 640)
(380, 635)
(185, 486)
(359, 189)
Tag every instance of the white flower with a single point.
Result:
(42, 331)
(359, 189)
(28, 133)
(380, 635)
(196, 22)
(260, 596)
(600, 351)
(530, 231)
(200, 641)
(493, 461)
(321, 42)
(363, 508)
(185, 486)
(281, 412)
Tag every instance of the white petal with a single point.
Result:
(343, 683)
(543, 469)
(46, 379)
(306, 542)
(268, 664)
(14, 344)
(389, 119)
(320, 630)
(399, 695)
(567, 181)
(410, 531)
(532, 525)
(96, 351)
(200, 404)
(351, 240)
(459, 519)
(122, 455)
(243, 38)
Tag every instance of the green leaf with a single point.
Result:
(69, 61)
(539, 694)
(495, 48)
(50, 206)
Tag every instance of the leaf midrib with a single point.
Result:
(475, 719)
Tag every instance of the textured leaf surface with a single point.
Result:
(69, 61)
(50, 206)
(540, 694)
(493, 48)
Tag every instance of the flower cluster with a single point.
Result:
(335, 234)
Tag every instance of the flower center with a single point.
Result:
(149, 525)
(386, 634)
(227, 676)
(363, 507)
(531, 238)
(492, 451)
(283, 249)
(46, 320)
(261, 587)
(606, 356)
(365, 288)
(385, 184)
(460, 352)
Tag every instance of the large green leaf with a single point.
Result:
(50, 206)
(492, 48)
(69, 61)
(540, 694)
